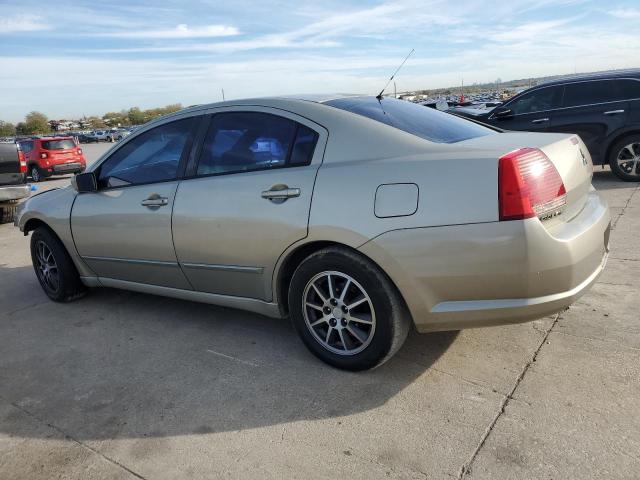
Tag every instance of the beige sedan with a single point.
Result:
(358, 217)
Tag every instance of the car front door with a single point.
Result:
(594, 110)
(247, 201)
(531, 111)
(123, 230)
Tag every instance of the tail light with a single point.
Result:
(23, 161)
(43, 155)
(79, 151)
(529, 185)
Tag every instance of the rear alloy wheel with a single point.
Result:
(625, 158)
(346, 310)
(54, 268)
(339, 313)
(35, 174)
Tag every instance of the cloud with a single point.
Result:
(21, 23)
(625, 13)
(328, 32)
(527, 31)
(180, 31)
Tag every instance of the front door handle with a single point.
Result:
(540, 120)
(613, 112)
(279, 193)
(154, 201)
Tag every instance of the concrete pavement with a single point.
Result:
(125, 385)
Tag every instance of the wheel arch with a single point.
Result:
(615, 139)
(294, 258)
(34, 223)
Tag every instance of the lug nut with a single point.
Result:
(345, 309)
(333, 322)
(334, 302)
(327, 310)
(344, 322)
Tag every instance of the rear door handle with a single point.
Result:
(540, 120)
(613, 112)
(154, 200)
(282, 194)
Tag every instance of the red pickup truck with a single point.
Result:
(52, 156)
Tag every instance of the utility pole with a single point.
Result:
(223, 95)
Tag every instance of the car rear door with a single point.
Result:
(123, 230)
(593, 109)
(248, 199)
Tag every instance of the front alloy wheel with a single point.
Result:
(46, 268)
(54, 268)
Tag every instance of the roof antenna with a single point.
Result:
(379, 96)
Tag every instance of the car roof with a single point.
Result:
(609, 74)
(320, 98)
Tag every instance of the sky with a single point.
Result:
(69, 59)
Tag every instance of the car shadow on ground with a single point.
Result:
(125, 365)
(606, 180)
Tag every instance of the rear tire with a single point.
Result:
(624, 158)
(54, 268)
(36, 175)
(361, 323)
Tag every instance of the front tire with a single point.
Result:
(346, 310)
(54, 268)
(624, 158)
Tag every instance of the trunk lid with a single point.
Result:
(568, 154)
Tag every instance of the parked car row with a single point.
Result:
(111, 135)
(603, 109)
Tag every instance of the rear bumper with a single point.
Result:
(495, 273)
(67, 168)
(14, 192)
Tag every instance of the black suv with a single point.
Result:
(603, 108)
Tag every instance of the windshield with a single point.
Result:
(416, 119)
(66, 144)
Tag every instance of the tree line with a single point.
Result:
(37, 123)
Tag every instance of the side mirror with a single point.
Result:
(502, 112)
(85, 182)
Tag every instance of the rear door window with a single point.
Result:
(246, 141)
(539, 100)
(26, 147)
(65, 144)
(589, 93)
(629, 89)
(418, 120)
